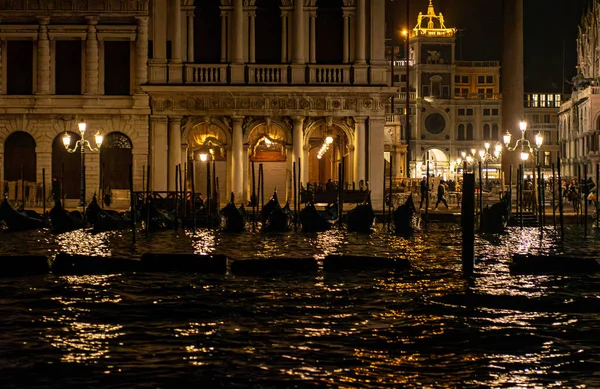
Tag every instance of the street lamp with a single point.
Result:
(82, 144)
(487, 157)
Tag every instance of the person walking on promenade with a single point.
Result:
(441, 192)
(424, 192)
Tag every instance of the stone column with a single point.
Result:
(237, 182)
(158, 64)
(158, 148)
(43, 58)
(174, 149)
(297, 68)
(376, 148)
(360, 32)
(252, 37)
(378, 68)
(284, 37)
(237, 60)
(346, 48)
(298, 140)
(175, 63)
(190, 35)
(512, 80)
(238, 32)
(141, 48)
(313, 37)
(91, 57)
(360, 147)
(245, 178)
(223, 36)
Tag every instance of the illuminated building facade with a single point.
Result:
(168, 80)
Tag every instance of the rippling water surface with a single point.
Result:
(427, 327)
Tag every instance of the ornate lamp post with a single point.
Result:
(82, 144)
(525, 147)
(486, 157)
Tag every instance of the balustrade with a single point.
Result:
(267, 74)
(329, 74)
(205, 74)
(77, 6)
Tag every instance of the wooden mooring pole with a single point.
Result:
(468, 224)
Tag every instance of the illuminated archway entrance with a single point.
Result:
(328, 144)
(210, 140)
(439, 164)
(66, 167)
(267, 146)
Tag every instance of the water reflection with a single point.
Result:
(71, 329)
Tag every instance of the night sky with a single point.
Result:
(548, 25)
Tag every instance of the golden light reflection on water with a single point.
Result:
(203, 241)
(79, 339)
(82, 242)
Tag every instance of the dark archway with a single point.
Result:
(115, 158)
(207, 31)
(66, 166)
(19, 157)
(330, 32)
(268, 31)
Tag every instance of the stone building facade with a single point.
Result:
(454, 106)
(244, 81)
(579, 116)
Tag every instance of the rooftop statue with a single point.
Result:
(433, 28)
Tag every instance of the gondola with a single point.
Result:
(275, 218)
(105, 220)
(157, 219)
(495, 218)
(360, 219)
(62, 220)
(235, 218)
(407, 220)
(20, 221)
(312, 220)
(202, 218)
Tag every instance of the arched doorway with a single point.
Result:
(267, 144)
(327, 145)
(208, 139)
(115, 158)
(66, 167)
(439, 164)
(19, 157)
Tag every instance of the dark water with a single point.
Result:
(428, 327)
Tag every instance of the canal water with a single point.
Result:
(426, 327)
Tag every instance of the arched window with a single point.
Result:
(487, 133)
(461, 132)
(19, 157)
(268, 31)
(115, 158)
(470, 132)
(207, 31)
(330, 30)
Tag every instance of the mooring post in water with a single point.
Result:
(521, 185)
(193, 178)
(208, 195)
(543, 195)
(43, 191)
(132, 202)
(390, 203)
(554, 189)
(586, 191)
(427, 194)
(261, 174)
(560, 200)
(148, 199)
(510, 175)
(175, 195)
(342, 186)
(480, 196)
(253, 200)
(597, 193)
(468, 224)
(295, 199)
(540, 190)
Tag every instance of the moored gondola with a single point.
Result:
(105, 220)
(235, 218)
(156, 218)
(360, 219)
(274, 218)
(312, 220)
(20, 221)
(495, 218)
(62, 220)
(407, 220)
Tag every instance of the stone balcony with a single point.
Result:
(278, 74)
(73, 7)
